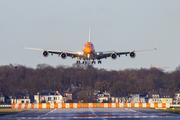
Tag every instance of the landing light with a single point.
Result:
(79, 53)
(88, 55)
(97, 53)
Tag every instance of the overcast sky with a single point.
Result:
(118, 25)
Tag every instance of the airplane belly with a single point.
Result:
(89, 57)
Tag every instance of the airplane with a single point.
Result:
(88, 53)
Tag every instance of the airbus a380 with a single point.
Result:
(88, 53)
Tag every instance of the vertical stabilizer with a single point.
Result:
(89, 34)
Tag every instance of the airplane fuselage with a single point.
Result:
(88, 51)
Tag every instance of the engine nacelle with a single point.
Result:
(132, 54)
(63, 55)
(113, 56)
(45, 54)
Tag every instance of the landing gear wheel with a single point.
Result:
(84, 62)
(78, 62)
(93, 62)
(99, 62)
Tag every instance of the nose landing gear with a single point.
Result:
(84, 62)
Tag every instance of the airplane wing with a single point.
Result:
(63, 54)
(79, 55)
(113, 54)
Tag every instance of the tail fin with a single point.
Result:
(89, 34)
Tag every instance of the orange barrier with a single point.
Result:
(32, 105)
(78, 105)
(132, 104)
(19, 105)
(163, 105)
(117, 105)
(101, 105)
(13, 106)
(70, 105)
(63, 105)
(156, 105)
(148, 105)
(26, 105)
(124, 104)
(109, 105)
(94, 105)
(40, 105)
(140, 104)
(55, 105)
(87, 105)
(47, 105)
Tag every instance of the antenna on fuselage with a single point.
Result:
(89, 34)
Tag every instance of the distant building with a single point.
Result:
(68, 96)
(177, 97)
(165, 98)
(119, 99)
(153, 97)
(102, 96)
(143, 98)
(52, 97)
(115, 99)
(147, 97)
(18, 98)
(96, 92)
(137, 98)
(2, 99)
(132, 98)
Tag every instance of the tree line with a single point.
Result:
(14, 79)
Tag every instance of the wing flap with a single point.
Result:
(33, 48)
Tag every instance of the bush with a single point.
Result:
(43, 101)
(1, 102)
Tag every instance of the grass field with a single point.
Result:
(8, 111)
(5, 107)
(172, 110)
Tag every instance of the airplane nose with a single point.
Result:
(88, 50)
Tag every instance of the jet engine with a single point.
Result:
(132, 54)
(113, 56)
(45, 53)
(63, 55)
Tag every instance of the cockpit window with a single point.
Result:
(88, 44)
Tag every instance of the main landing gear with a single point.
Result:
(85, 62)
(78, 62)
(99, 62)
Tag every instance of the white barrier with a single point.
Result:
(5, 105)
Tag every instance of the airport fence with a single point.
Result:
(88, 105)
